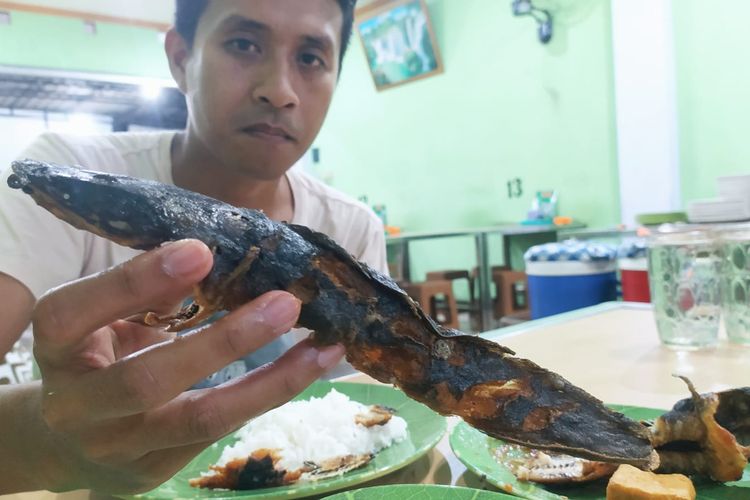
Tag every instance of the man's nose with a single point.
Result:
(276, 87)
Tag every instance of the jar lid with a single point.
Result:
(733, 232)
(688, 237)
(632, 249)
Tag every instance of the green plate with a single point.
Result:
(418, 492)
(474, 449)
(425, 428)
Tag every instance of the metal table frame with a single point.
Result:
(481, 237)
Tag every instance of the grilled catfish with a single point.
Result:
(386, 334)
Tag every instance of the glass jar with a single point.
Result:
(735, 284)
(683, 269)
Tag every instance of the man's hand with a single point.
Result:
(18, 302)
(116, 414)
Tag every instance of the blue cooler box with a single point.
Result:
(570, 275)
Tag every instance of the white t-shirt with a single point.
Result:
(43, 252)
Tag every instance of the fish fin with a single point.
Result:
(189, 316)
(202, 308)
(195, 315)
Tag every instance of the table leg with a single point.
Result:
(405, 261)
(483, 281)
(505, 239)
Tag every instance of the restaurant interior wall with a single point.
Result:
(19, 131)
(713, 78)
(510, 107)
(646, 104)
(52, 42)
(439, 152)
(62, 44)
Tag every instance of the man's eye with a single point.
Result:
(312, 60)
(242, 45)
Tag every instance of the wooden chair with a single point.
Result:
(512, 297)
(437, 299)
(455, 274)
(472, 305)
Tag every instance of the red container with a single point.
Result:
(634, 276)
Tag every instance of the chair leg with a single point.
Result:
(428, 295)
(450, 309)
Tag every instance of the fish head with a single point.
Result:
(107, 205)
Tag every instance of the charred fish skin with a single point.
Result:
(385, 333)
(504, 396)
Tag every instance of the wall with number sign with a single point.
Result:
(441, 152)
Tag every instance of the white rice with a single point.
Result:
(313, 431)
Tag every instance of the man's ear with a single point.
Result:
(178, 52)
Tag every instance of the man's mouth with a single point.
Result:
(268, 132)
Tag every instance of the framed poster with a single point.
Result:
(399, 42)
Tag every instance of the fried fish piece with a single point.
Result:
(550, 468)
(705, 434)
(385, 333)
(262, 470)
(690, 438)
(732, 412)
(376, 415)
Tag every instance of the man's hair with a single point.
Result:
(189, 12)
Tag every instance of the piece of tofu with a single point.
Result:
(630, 483)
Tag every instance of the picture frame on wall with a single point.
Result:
(399, 42)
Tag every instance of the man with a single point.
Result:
(259, 76)
(111, 413)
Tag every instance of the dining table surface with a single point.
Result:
(611, 350)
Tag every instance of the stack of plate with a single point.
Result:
(733, 203)
(734, 187)
(719, 210)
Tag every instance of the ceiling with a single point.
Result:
(124, 102)
(149, 10)
(122, 99)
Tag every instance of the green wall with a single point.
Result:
(713, 91)
(42, 41)
(439, 152)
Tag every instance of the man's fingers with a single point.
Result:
(162, 276)
(207, 415)
(153, 377)
(158, 466)
(198, 418)
(129, 338)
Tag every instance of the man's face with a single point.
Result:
(259, 80)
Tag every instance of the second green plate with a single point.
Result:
(475, 450)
